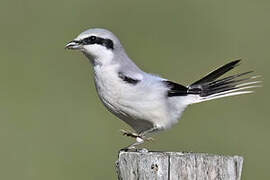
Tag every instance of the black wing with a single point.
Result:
(128, 79)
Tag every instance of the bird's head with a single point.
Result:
(97, 44)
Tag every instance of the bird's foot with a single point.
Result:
(129, 149)
(133, 149)
(137, 136)
(140, 138)
(129, 133)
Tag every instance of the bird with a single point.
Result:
(149, 103)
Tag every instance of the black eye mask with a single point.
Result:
(97, 40)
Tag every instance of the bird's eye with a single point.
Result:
(89, 40)
(93, 38)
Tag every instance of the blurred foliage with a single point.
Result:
(53, 125)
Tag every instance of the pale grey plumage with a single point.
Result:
(148, 103)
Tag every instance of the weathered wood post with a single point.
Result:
(177, 166)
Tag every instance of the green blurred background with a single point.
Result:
(52, 124)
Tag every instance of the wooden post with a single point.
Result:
(177, 166)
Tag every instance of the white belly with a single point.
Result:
(139, 105)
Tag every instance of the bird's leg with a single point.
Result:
(129, 133)
(139, 141)
(136, 135)
(140, 138)
(151, 130)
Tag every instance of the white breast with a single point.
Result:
(142, 106)
(107, 85)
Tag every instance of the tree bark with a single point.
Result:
(177, 166)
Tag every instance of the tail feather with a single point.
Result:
(223, 95)
(210, 87)
(229, 78)
(217, 73)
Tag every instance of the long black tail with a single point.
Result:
(210, 87)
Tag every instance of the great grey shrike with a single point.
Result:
(147, 102)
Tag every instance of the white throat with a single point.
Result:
(100, 55)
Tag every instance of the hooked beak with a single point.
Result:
(73, 45)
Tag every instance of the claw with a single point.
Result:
(140, 138)
(135, 135)
(129, 134)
